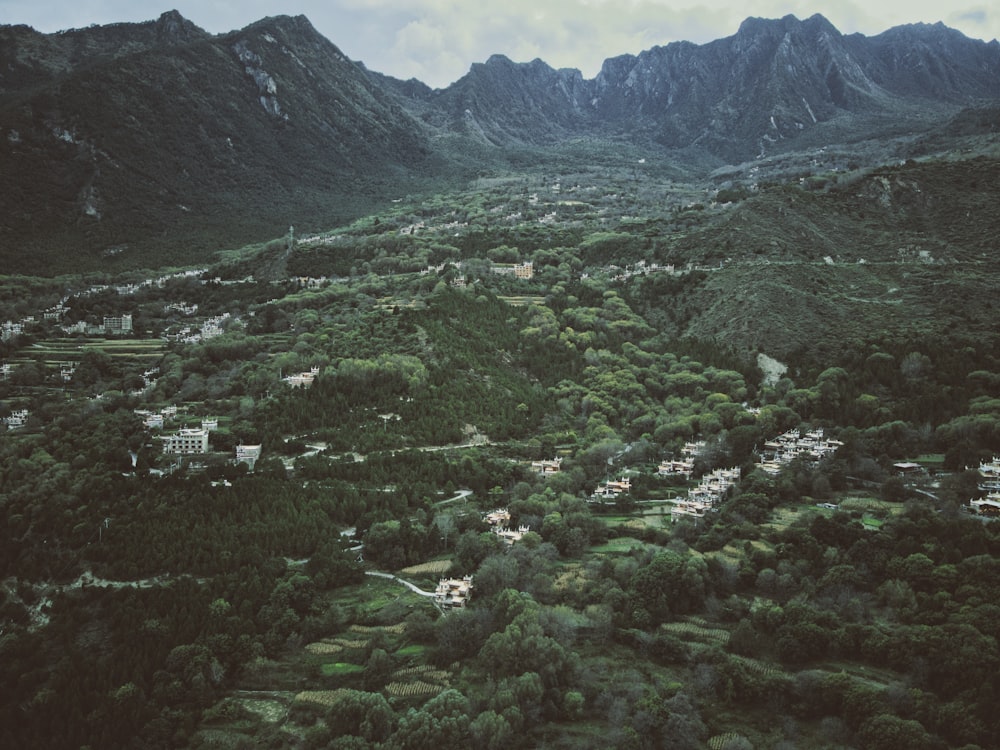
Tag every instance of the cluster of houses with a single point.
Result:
(180, 307)
(707, 495)
(10, 330)
(989, 482)
(683, 466)
(193, 441)
(209, 329)
(782, 450)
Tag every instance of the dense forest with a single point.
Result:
(156, 600)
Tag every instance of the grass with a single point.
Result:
(620, 545)
(431, 567)
(340, 669)
(413, 650)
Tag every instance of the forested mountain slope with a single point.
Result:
(135, 145)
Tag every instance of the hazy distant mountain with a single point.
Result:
(154, 143)
(735, 97)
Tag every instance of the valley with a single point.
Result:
(216, 603)
(525, 413)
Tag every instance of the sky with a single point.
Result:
(436, 41)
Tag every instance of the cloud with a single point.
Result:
(438, 40)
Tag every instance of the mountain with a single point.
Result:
(157, 143)
(759, 90)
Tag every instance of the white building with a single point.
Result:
(247, 454)
(16, 419)
(453, 592)
(118, 323)
(785, 448)
(547, 466)
(302, 379)
(186, 441)
(989, 475)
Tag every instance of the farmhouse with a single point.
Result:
(497, 517)
(247, 454)
(453, 593)
(302, 379)
(547, 466)
(509, 536)
(612, 489)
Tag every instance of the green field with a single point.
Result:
(341, 668)
(67, 349)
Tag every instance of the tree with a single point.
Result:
(442, 724)
(361, 714)
(887, 732)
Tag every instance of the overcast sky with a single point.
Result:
(437, 40)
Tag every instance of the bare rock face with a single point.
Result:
(770, 82)
(159, 135)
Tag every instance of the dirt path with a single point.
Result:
(410, 586)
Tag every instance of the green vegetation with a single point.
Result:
(164, 601)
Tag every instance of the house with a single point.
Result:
(509, 536)
(453, 593)
(612, 488)
(987, 506)
(517, 270)
(302, 379)
(497, 517)
(186, 441)
(247, 454)
(210, 423)
(690, 509)
(153, 421)
(546, 466)
(989, 475)
(17, 419)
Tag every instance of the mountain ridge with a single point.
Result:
(120, 144)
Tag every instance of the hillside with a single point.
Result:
(169, 151)
(140, 145)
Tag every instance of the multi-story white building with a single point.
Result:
(186, 441)
(453, 592)
(118, 323)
